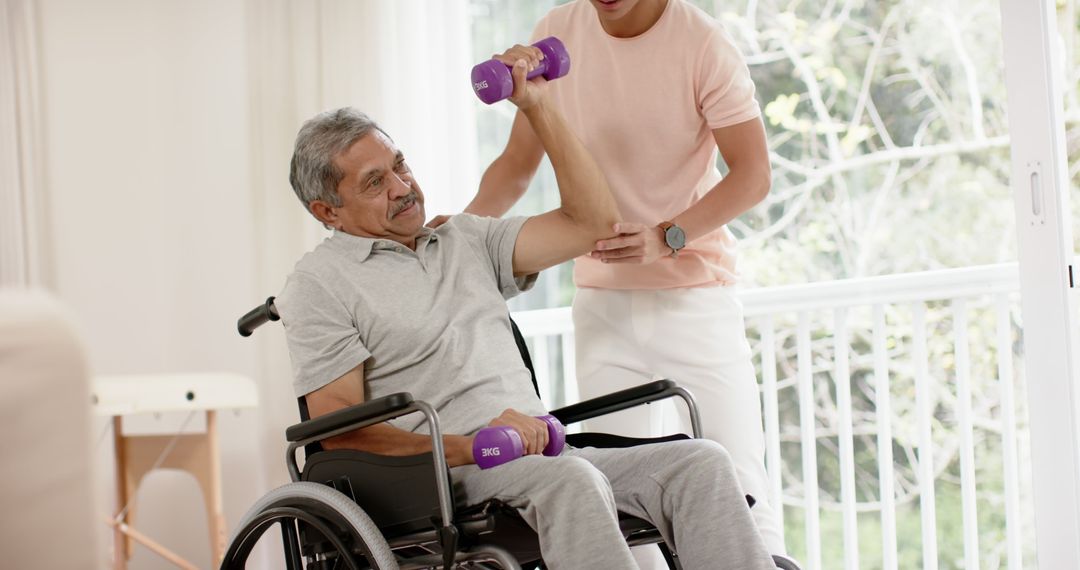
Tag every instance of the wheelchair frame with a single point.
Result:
(305, 509)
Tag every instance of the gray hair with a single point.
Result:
(313, 174)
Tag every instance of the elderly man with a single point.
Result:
(387, 305)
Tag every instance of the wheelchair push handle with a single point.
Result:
(257, 317)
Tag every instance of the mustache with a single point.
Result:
(402, 203)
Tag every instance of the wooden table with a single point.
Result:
(195, 453)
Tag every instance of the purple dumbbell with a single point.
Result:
(556, 435)
(494, 446)
(492, 80)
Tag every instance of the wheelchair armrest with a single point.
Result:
(628, 398)
(370, 413)
(358, 414)
(623, 399)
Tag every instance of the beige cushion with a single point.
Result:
(46, 482)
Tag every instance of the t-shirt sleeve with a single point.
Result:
(725, 91)
(496, 238)
(324, 342)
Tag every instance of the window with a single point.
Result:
(890, 149)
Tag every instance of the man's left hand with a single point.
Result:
(533, 431)
(635, 243)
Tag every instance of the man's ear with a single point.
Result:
(324, 212)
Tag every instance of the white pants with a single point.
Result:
(697, 338)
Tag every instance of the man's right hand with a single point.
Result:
(533, 431)
(522, 60)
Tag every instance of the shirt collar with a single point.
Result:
(363, 246)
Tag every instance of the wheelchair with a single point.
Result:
(357, 510)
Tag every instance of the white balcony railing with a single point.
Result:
(933, 358)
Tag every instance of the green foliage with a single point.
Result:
(887, 126)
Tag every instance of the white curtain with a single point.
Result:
(20, 176)
(404, 62)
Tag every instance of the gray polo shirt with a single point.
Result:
(432, 322)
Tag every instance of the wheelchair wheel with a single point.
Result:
(317, 522)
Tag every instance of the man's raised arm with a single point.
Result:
(587, 212)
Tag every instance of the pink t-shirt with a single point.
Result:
(645, 108)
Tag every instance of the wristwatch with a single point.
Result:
(674, 237)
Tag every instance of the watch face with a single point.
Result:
(675, 237)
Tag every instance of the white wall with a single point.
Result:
(168, 128)
(147, 169)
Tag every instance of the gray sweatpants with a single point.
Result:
(687, 489)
